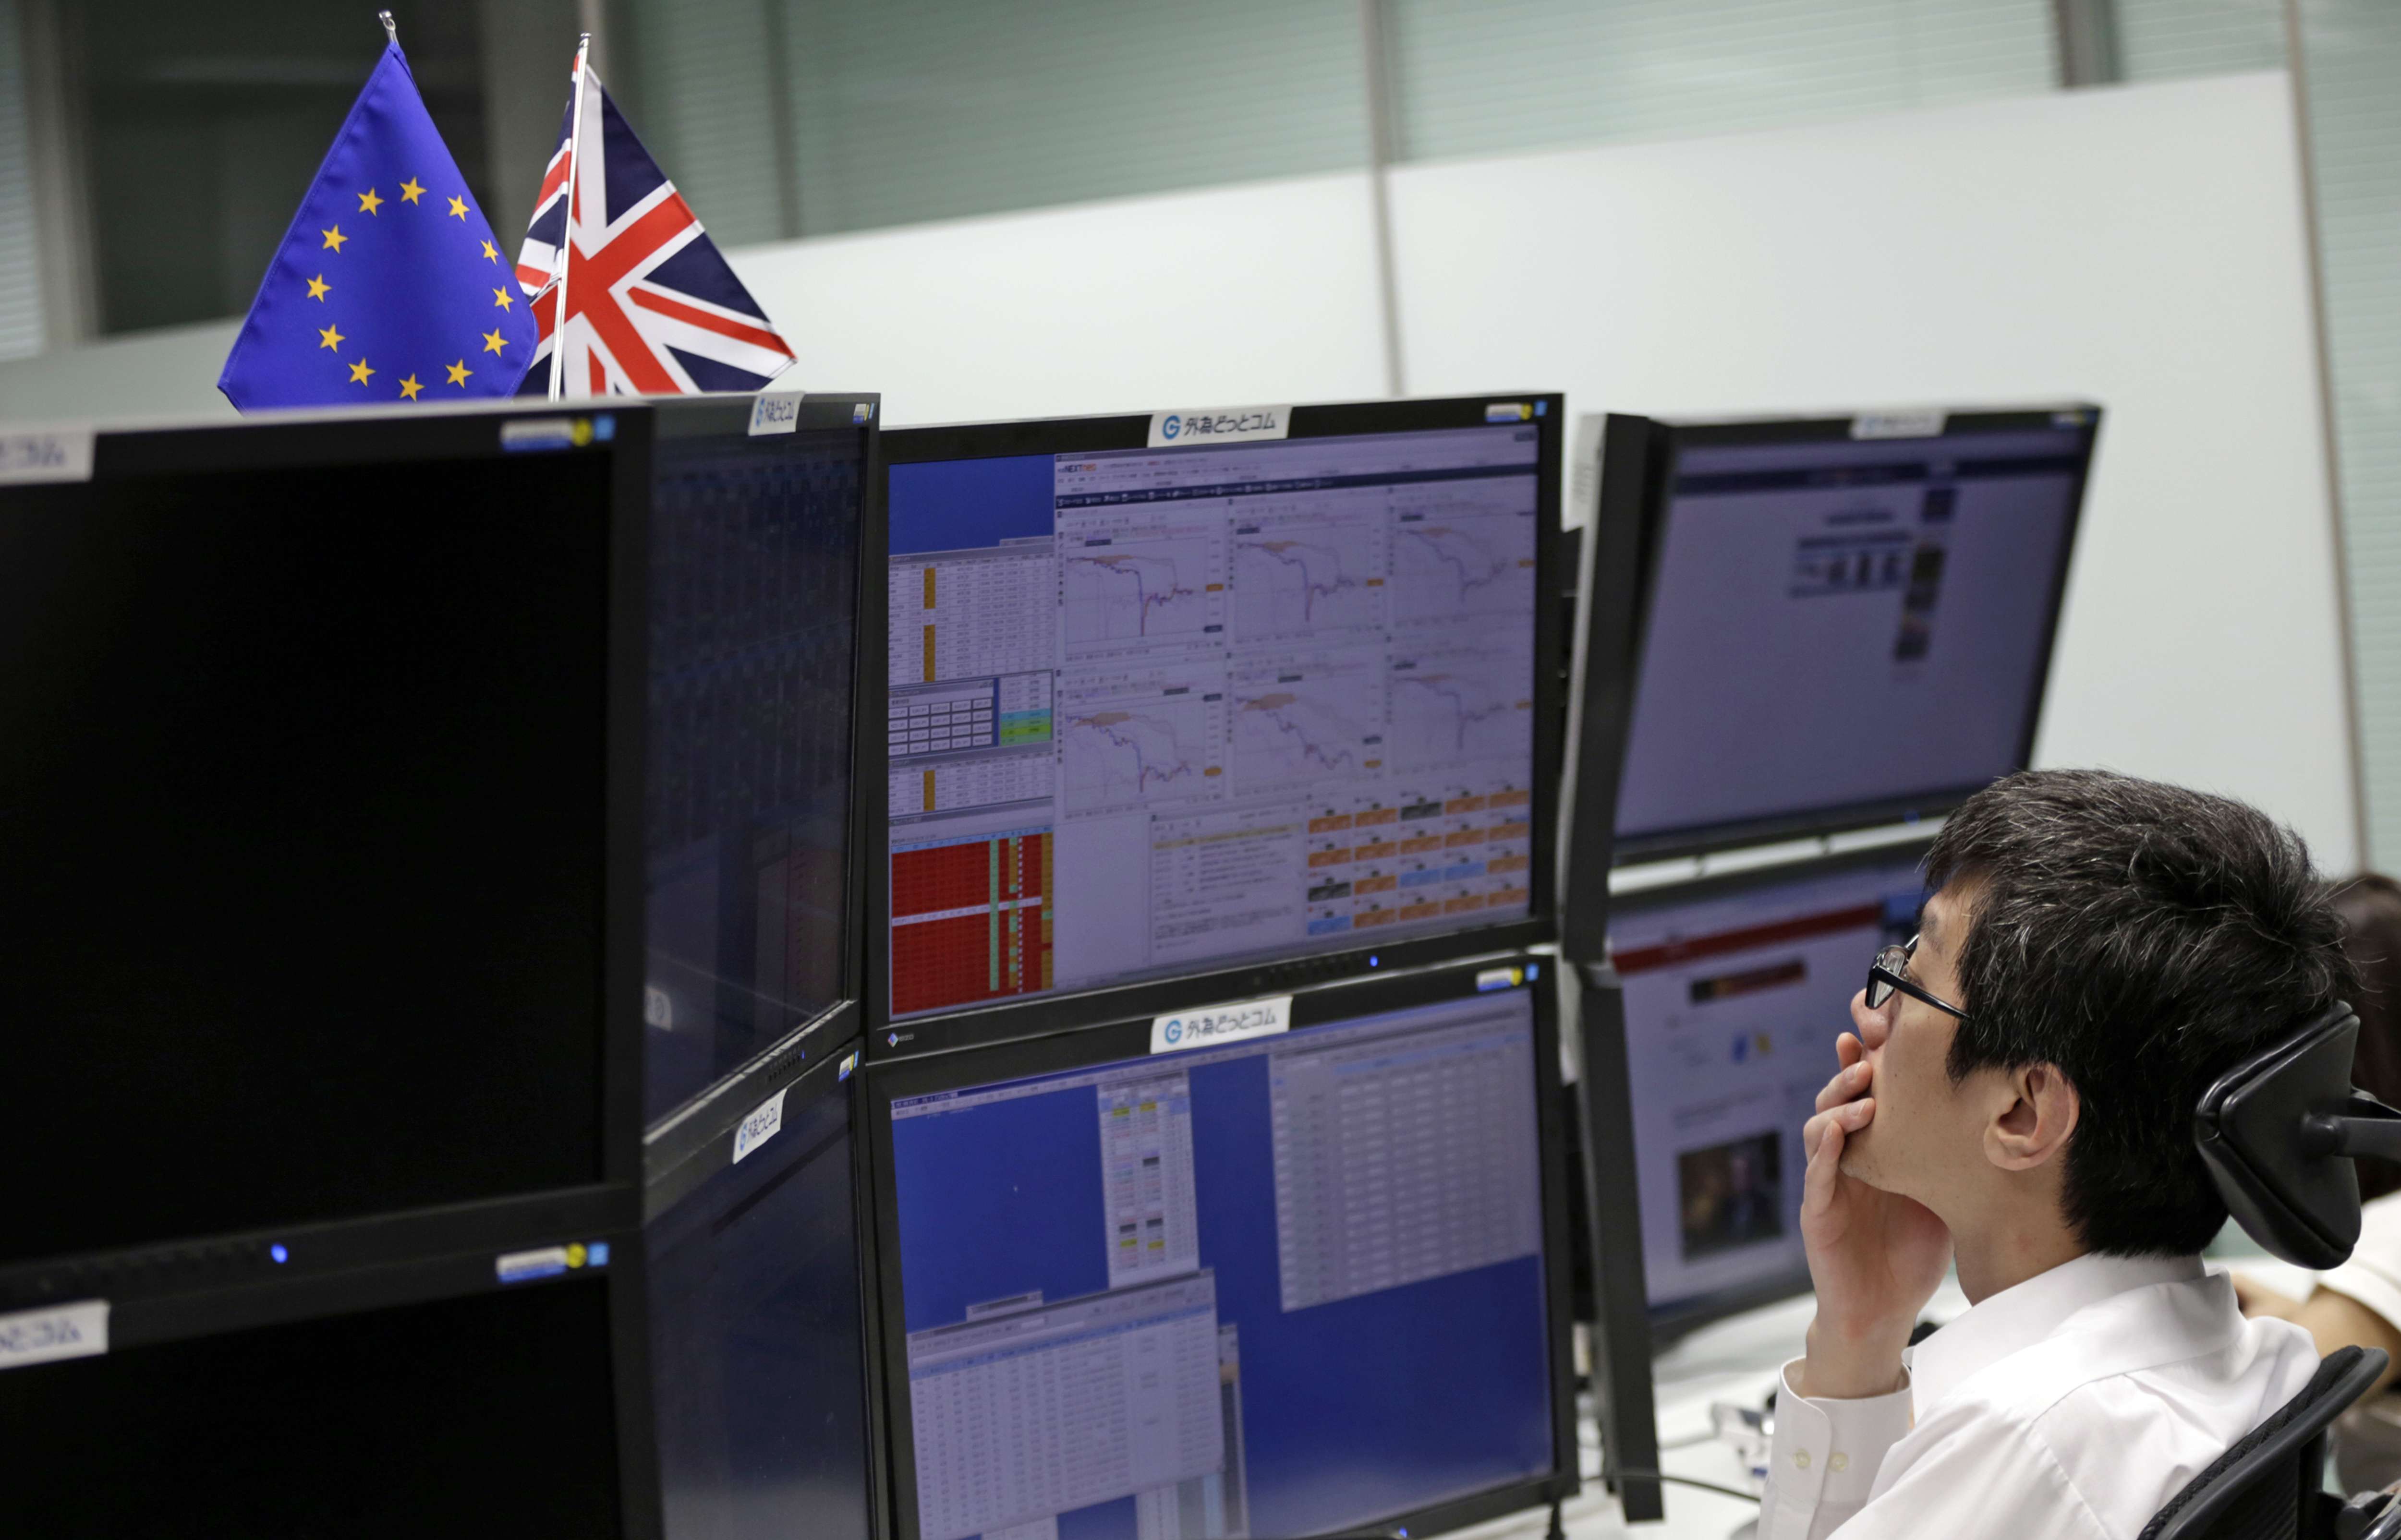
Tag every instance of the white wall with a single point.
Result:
(2140, 246)
(1265, 292)
(2143, 247)
(170, 373)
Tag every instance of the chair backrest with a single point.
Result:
(2267, 1486)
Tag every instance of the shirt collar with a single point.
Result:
(2020, 1316)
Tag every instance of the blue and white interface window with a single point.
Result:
(1153, 711)
(1271, 1288)
(1880, 611)
(1732, 1004)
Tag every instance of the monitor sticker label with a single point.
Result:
(765, 1122)
(779, 413)
(1221, 1024)
(1897, 425)
(547, 1261)
(520, 435)
(1224, 425)
(46, 454)
(78, 1330)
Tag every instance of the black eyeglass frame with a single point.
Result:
(1885, 975)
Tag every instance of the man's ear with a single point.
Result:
(2035, 1120)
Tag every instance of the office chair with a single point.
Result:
(2277, 1132)
(2370, 1516)
(2266, 1487)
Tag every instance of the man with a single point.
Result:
(2019, 1095)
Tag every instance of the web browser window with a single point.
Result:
(1844, 622)
(1732, 1004)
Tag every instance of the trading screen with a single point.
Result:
(1732, 1004)
(1276, 1287)
(1881, 611)
(1157, 711)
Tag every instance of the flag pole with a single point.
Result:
(567, 226)
(390, 30)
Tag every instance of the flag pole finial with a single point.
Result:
(391, 28)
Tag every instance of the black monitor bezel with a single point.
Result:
(1642, 502)
(710, 1115)
(1062, 1009)
(310, 441)
(1680, 1318)
(165, 1294)
(1130, 1039)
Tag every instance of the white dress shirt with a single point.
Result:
(2073, 1405)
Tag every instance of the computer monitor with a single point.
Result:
(485, 1392)
(1733, 993)
(1179, 720)
(325, 816)
(1280, 1283)
(1849, 621)
(753, 884)
(758, 1357)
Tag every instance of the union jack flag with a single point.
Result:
(651, 307)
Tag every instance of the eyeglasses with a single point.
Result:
(1891, 971)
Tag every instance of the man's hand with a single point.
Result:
(1875, 1257)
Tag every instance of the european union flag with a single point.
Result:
(390, 285)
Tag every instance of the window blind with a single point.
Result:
(2164, 39)
(2352, 50)
(21, 282)
(1482, 77)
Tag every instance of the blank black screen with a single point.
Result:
(488, 1415)
(301, 817)
(755, 1347)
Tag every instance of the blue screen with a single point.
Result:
(1269, 1288)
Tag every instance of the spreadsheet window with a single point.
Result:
(1255, 701)
(1061, 1406)
(1403, 1159)
(1354, 1206)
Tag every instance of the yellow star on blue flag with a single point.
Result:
(399, 280)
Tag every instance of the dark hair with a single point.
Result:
(2143, 938)
(2369, 907)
